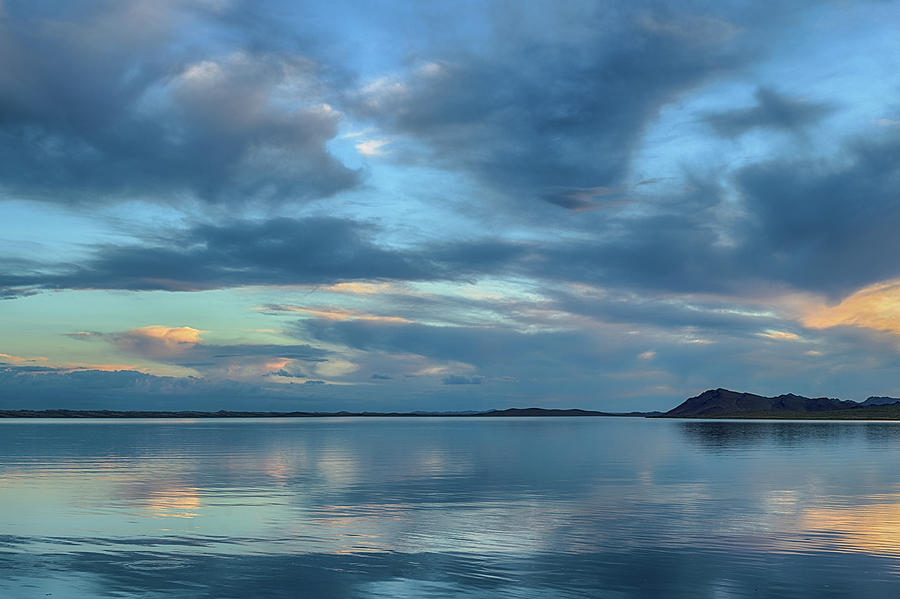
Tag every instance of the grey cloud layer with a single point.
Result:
(554, 115)
(541, 114)
(772, 111)
(808, 224)
(114, 102)
(107, 103)
(275, 252)
(23, 387)
(829, 227)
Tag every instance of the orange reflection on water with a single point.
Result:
(871, 528)
(180, 502)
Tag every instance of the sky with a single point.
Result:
(216, 204)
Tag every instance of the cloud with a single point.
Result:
(695, 29)
(330, 313)
(490, 133)
(111, 103)
(26, 387)
(487, 349)
(567, 116)
(157, 341)
(874, 307)
(779, 335)
(84, 335)
(583, 358)
(15, 293)
(459, 379)
(357, 288)
(581, 200)
(772, 111)
(20, 361)
(250, 123)
(335, 367)
(825, 226)
(372, 147)
(183, 347)
(666, 310)
(280, 251)
(784, 224)
(673, 244)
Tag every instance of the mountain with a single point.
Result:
(719, 402)
(880, 401)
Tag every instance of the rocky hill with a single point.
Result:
(719, 402)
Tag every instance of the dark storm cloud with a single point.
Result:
(539, 110)
(106, 103)
(772, 111)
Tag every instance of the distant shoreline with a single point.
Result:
(714, 404)
(510, 412)
(859, 414)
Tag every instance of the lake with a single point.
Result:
(448, 507)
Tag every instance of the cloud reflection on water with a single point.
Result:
(449, 507)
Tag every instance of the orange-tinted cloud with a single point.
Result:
(334, 313)
(779, 335)
(874, 307)
(356, 288)
(18, 360)
(157, 341)
(75, 366)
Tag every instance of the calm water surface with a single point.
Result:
(447, 507)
